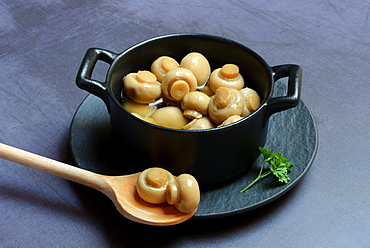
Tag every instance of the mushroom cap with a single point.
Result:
(225, 103)
(189, 193)
(162, 65)
(231, 119)
(192, 114)
(199, 65)
(227, 76)
(170, 117)
(200, 124)
(152, 183)
(196, 100)
(177, 83)
(142, 87)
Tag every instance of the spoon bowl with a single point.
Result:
(120, 189)
(130, 205)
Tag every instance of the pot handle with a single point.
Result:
(84, 80)
(280, 103)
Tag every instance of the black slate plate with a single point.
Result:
(292, 132)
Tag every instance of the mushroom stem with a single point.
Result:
(168, 64)
(156, 177)
(223, 97)
(177, 83)
(146, 77)
(253, 102)
(179, 89)
(229, 71)
(172, 193)
(192, 114)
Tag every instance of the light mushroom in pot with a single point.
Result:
(144, 110)
(225, 103)
(199, 65)
(142, 87)
(177, 83)
(170, 117)
(230, 120)
(251, 101)
(195, 104)
(227, 76)
(162, 65)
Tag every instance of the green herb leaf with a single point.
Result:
(279, 166)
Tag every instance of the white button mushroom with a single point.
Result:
(170, 117)
(225, 103)
(152, 183)
(184, 193)
(157, 185)
(199, 65)
(162, 65)
(227, 76)
(251, 101)
(177, 83)
(231, 119)
(200, 124)
(142, 87)
(195, 104)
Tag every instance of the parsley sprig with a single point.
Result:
(279, 166)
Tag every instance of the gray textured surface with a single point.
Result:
(42, 44)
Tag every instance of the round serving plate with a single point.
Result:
(292, 132)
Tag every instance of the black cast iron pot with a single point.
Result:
(213, 155)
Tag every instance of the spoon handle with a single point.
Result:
(53, 167)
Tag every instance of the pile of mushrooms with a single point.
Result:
(188, 95)
(157, 185)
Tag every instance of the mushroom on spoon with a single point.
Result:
(120, 189)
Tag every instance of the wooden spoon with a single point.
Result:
(120, 189)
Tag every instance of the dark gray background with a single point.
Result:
(41, 46)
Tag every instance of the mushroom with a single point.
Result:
(142, 87)
(199, 65)
(231, 119)
(157, 185)
(200, 124)
(177, 83)
(162, 65)
(183, 193)
(147, 119)
(227, 76)
(152, 183)
(251, 101)
(225, 103)
(144, 110)
(170, 117)
(195, 104)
